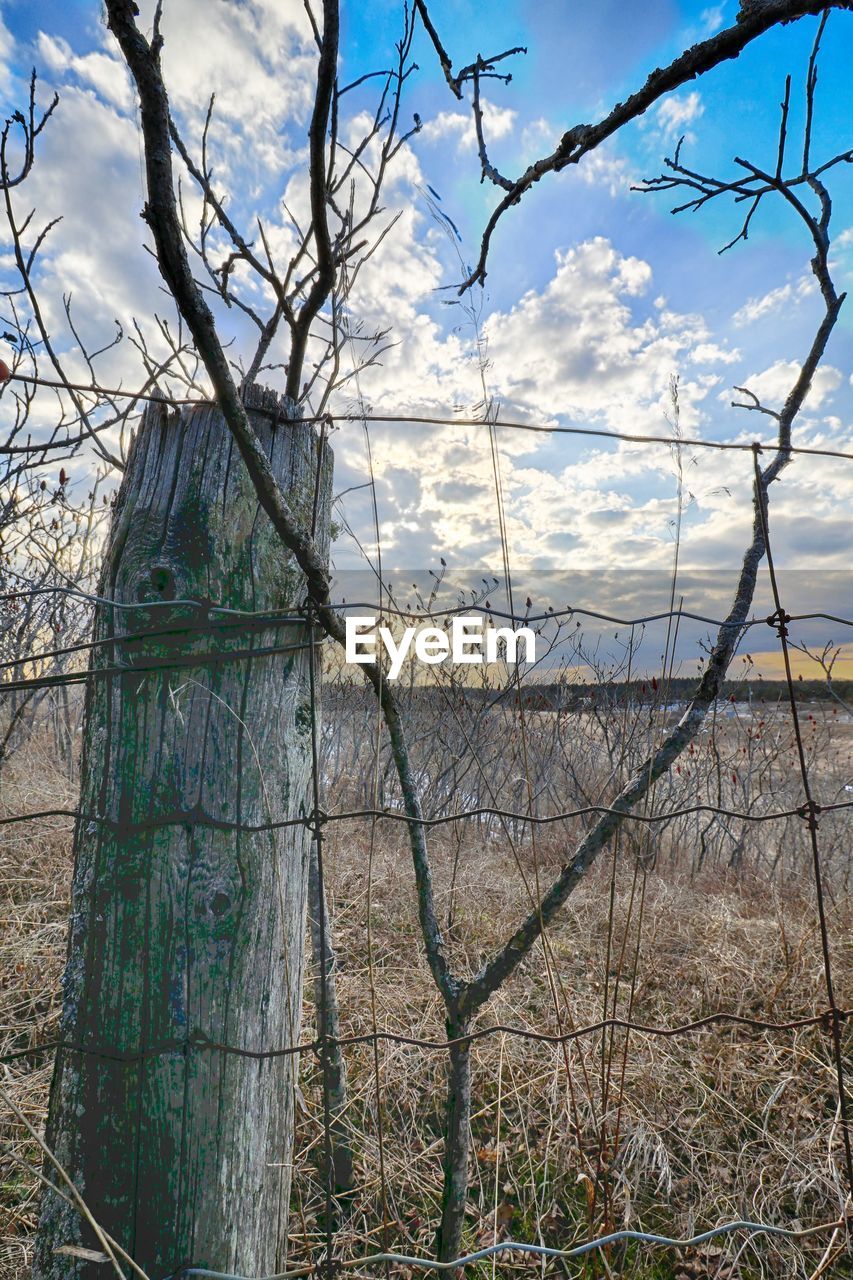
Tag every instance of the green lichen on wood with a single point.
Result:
(181, 929)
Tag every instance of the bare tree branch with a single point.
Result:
(753, 20)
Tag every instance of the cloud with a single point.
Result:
(94, 253)
(89, 168)
(593, 344)
(675, 113)
(583, 347)
(711, 19)
(259, 58)
(498, 122)
(104, 73)
(605, 169)
(7, 57)
(583, 350)
(773, 385)
(775, 300)
(713, 353)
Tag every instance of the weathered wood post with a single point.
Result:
(188, 927)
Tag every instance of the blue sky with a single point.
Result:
(596, 296)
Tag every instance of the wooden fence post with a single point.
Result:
(187, 928)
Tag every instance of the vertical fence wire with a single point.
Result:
(323, 924)
(371, 853)
(780, 620)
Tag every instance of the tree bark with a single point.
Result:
(187, 927)
(456, 1143)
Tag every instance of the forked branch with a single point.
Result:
(754, 19)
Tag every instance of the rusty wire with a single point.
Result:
(199, 1040)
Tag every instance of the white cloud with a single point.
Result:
(773, 385)
(259, 58)
(498, 122)
(675, 113)
(580, 348)
(106, 74)
(591, 345)
(711, 19)
(775, 300)
(584, 350)
(7, 56)
(713, 353)
(536, 133)
(606, 170)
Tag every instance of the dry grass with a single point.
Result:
(35, 873)
(712, 1126)
(697, 1129)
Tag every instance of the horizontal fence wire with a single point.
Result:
(400, 419)
(197, 817)
(537, 1250)
(169, 662)
(198, 1040)
(270, 617)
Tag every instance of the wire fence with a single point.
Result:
(401, 419)
(205, 618)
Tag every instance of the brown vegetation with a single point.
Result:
(682, 1132)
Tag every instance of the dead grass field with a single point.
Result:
(710, 1126)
